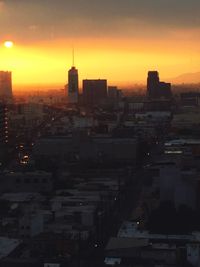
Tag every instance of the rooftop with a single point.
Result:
(7, 245)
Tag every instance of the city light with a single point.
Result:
(100, 133)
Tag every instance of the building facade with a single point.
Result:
(73, 90)
(157, 89)
(3, 130)
(94, 91)
(5, 85)
(3, 125)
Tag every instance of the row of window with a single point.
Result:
(31, 180)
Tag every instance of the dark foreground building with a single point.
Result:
(3, 129)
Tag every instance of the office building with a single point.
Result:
(73, 91)
(3, 125)
(94, 91)
(165, 90)
(157, 89)
(152, 83)
(114, 93)
(3, 132)
(84, 148)
(5, 85)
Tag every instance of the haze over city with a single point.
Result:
(117, 40)
(99, 133)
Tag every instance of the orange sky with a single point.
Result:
(113, 39)
(121, 62)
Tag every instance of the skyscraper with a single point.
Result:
(73, 91)
(3, 125)
(157, 89)
(152, 83)
(5, 85)
(94, 91)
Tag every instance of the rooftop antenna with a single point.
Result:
(73, 57)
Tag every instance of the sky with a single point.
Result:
(115, 39)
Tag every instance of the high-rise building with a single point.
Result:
(94, 91)
(165, 90)
(73, 91)
(152, 83)
(3, 126)
(157, 89)
(5, 85)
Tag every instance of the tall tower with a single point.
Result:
(3, 133)
(5, 85)
(152, 83)
(3, 124)
(73, 91)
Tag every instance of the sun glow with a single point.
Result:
(8, 44)
(122, 63)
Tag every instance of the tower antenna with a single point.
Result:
(73, 57)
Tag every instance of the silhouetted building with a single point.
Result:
(3, 125)
(157, 89)
(3, 130)
(73, 90)
(83, 148)
(113, 92)
(94, 91)
(165, 90)
(5, 85)
(152, 83)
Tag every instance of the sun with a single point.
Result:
(8, 44)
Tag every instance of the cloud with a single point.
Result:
(129, 18)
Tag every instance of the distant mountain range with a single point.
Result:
(187, 78)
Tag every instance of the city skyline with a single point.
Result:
(118, 41)
(99, 133)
